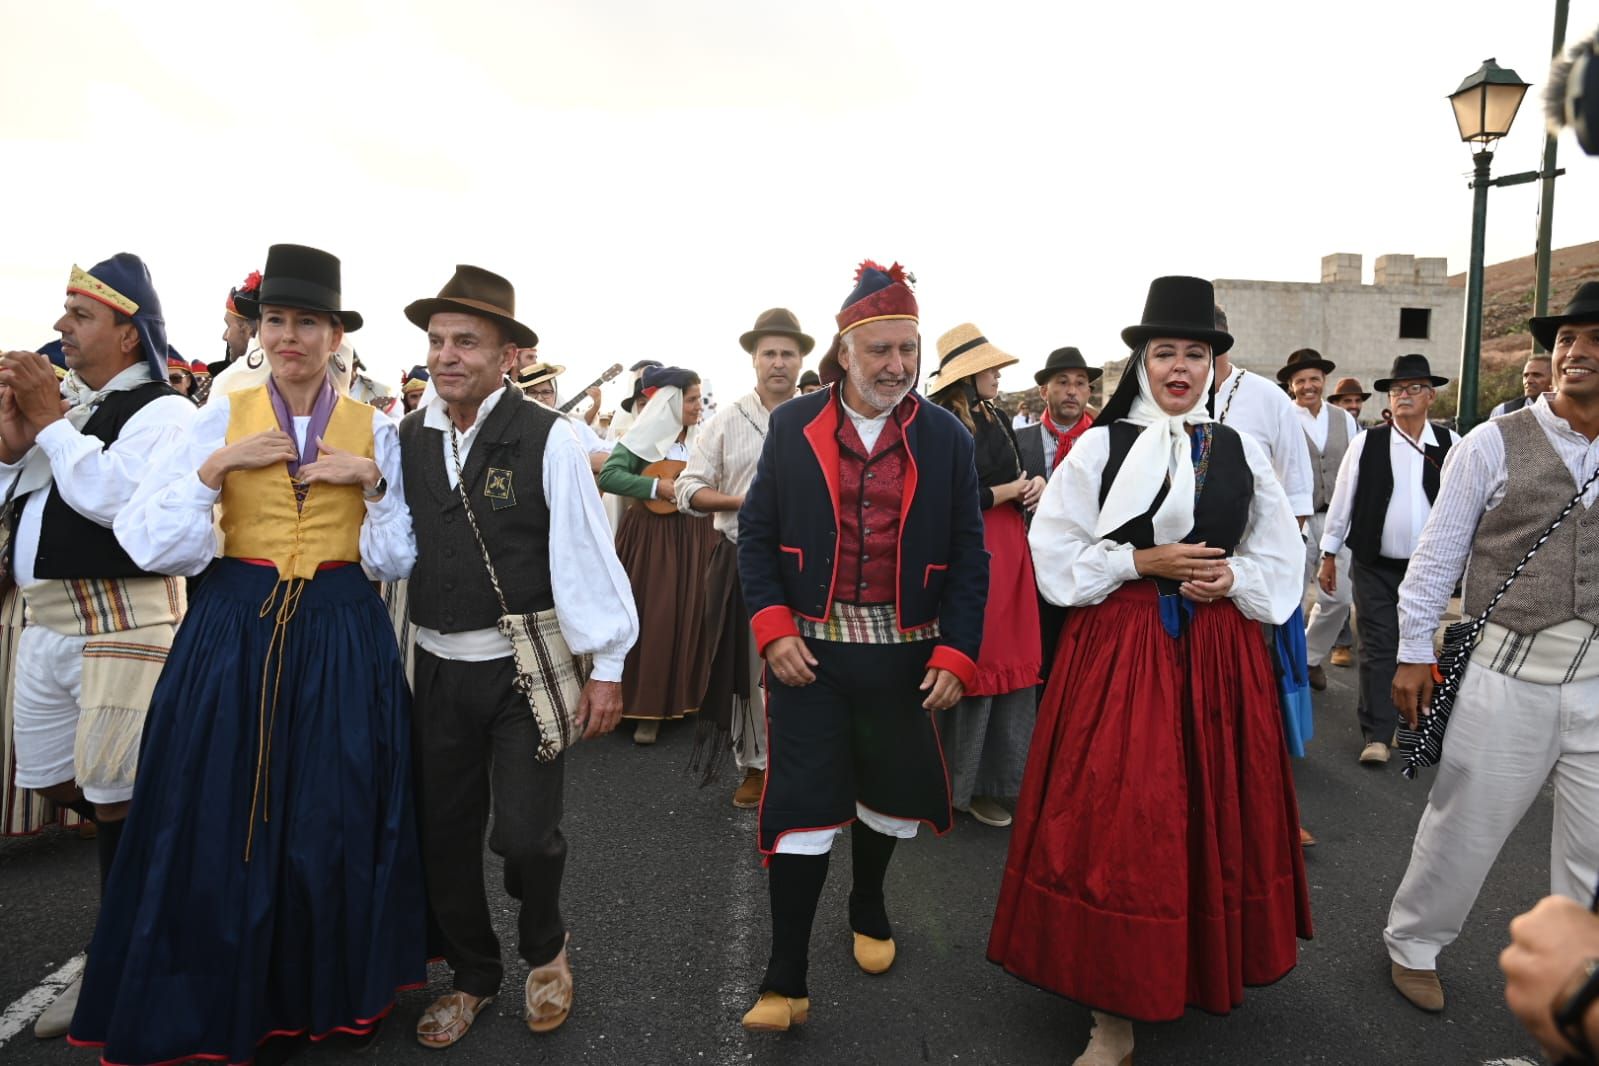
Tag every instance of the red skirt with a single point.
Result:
(1009, 658)
(1155, 860)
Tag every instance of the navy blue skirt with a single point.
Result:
(200, 952)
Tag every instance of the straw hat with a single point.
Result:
(962, 352)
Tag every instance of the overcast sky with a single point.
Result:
(652, 175)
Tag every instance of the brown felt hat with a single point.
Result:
(1349, 387)
(779, 320)
(475, 291)
(1304, 359)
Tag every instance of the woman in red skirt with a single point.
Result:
(1155, 864)
(986, 734)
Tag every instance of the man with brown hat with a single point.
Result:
(718, 475)
(532, 500)
(1351, 397)
(1328, 431)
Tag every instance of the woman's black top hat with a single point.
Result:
(1180, 307)
(300, 277)
(1411, 367)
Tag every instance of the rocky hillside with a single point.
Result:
(1507, 298)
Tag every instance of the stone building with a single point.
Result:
(1409, 307)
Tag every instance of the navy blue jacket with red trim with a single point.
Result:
(788, 528)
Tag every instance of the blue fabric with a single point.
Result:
(126, 273)
(1175, 611)
(660, 377)
(1293, 681)
(51, 350)
(198, 952)
(871, 280)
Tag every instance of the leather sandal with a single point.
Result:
(548, 995)
(448, 1018)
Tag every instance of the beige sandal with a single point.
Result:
(448, 1019)
(548, 996)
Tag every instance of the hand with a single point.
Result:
(252, 453)
(1547, 945)
(1181, 562)
(1411, 691)
(33, 382)
(947, 689)
(790, 661)
(1327, 575)
(16, 435)
(666, 488)
(1032, 492)
(335, 466)
(1208, 591)
(594, 397)
(599, 708)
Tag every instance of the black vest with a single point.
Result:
(450, 590)
(1221, 513)
(1376, 487)
(70, 545)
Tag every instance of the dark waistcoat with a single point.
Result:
(1376, 487)
(72, 546)
(1221, 513)
(504, 478)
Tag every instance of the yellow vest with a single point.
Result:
(259, 516)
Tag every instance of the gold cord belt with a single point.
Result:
(283, 610)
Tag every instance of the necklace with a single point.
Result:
(1238, 377)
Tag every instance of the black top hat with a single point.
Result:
(1065, 359)
(1180, 307)
(474, 291)
(1584, 307)
(779, 320)
(1304, 359)
(300, 277)
(1409, 368)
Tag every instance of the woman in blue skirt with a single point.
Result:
(269, 882)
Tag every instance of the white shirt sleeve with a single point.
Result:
(593, 597)
(388, 543)
(98, 481)
(1073, 567)
(1473, 482)
(1269, 562)
(704, 469)
(1342, 505)
(1297, 480)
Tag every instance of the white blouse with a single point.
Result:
(168, 526)
(1075, 569)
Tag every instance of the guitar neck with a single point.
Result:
(566, 408)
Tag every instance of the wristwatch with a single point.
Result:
(376, 492)
(1571, 1006)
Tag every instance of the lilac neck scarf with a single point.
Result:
(321, 412)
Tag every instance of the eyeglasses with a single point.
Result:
(1413, 389)
(175, 379)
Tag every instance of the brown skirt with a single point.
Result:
(665, 557)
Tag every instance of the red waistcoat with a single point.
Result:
(871, 489)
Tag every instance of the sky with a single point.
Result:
(652, 175)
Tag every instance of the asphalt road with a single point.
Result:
(666, 901)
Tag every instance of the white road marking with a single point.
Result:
(34, 1002)
(1510, 1062)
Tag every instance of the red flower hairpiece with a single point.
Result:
(251, 283)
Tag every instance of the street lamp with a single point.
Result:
(1485, 106)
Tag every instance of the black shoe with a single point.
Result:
(1318, 678)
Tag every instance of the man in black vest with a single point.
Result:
(1384, 493)
(71, 454)
(1537, 378)
(532, 497)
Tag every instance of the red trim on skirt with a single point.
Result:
(1155, 861)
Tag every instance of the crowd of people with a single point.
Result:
(294, 643)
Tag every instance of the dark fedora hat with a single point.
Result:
(1409, 368)
(1304, 359)
(1180, 307)
(1584, 307)
(1065, 359)
(474, 291)
(299, 277)
(779, 320)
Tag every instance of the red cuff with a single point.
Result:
(947, 658)
(771, 623)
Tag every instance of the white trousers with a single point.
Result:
(1505, 739)
(45, 712)
(1329, 614)
(820, 841)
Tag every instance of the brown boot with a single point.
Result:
(1421, 987)
(1318, 678)
(749, 791)
(1341, 656)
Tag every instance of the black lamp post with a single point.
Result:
(1485, 106)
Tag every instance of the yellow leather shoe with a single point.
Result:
(873, 955)
(775, 1012)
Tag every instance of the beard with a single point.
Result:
(881, 398)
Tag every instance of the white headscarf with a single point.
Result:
(655, 428)
(1161, 454)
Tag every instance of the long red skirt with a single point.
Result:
(1155, 860)
(1009, 658)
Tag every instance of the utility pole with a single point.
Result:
(1546, 205)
